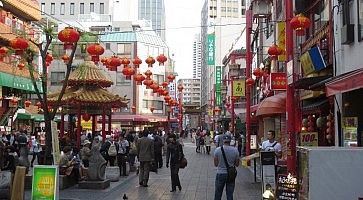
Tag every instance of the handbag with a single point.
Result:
(231, 170)
(183, 163)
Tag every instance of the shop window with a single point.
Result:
(56, 78)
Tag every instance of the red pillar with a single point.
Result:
(168, 126)
(248, 75)
(79, 118)
(232, 107)
(94, 123)
(109, 123)
(290, 93)
(103, 125)
(62, 125)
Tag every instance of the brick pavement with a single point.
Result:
(197, 181)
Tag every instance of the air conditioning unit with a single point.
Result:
(347, 34)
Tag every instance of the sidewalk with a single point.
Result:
(197, 181)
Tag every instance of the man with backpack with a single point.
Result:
(109, 150)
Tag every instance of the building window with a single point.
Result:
(81, 8)
(108, 46)
(62, 8)
(243, 11)
(158, 78)
(42, 8)
(91, 7)
(321, 16)
(121, 80)
(52, 8)
(158, 105)
(56, 78)
(102, 8)
(116, 29)
(123, 48)
(71, 9)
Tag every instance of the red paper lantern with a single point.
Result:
(19, 45)
(180, 87)
(113, 63)
(150, 61)
(104, 61)
(217, 110)
(66, 58)
(27, 103)
(167, 98)
(21, 66)
(14, 101)
(250, 81)
(68, 36)
(139, 78)
(137, 62)
(148, 82)
(258, 72)
(299, 23)
(3, 52)
(133, 108)
(95, 50)
(165, 84)
(152, 108)
(39, 104)
(125, 61)
(48, 58)
(161, 91)
(154, 87)
(128, 72)
(161, 59)
(171, 77)
(86, 117)
(165, 93)
(274, 51)
(148, 73)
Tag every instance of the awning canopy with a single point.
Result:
(345, 82)
(308, 82)
(272, 105)
(18, 82)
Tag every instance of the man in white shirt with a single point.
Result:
(271, 145)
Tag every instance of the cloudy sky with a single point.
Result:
(181, 14)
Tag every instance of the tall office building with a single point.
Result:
(153, 10)
(197, 57)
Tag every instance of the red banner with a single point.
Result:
(278, 81)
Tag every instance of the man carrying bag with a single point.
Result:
(226, 159)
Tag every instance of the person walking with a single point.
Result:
(145, 153)
(225, 156)
(158, 148)
(122, 154)
(35, 148)
(174, 154)
(208, 142)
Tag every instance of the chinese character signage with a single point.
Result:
(211, 49)
(278, 81)
(287, 187)
(218, 85)
(238, 89)
(45, 183)
(281, 39)
(312, 61)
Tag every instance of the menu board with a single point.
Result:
(287, 187)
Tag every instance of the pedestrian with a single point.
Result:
(131, 138)
(145, 153)
(271, 144)
(174, 155)
(35, 149)
(225, 153)
(197, 142)
(109, 150)
(208, 142)
(122, 154)
(158, 148)
(202, 144)
(86, 153)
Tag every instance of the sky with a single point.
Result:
(182, 13)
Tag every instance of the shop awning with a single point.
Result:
(345, 82)
(38, 117)
(315, 107)
(272, 105)
(24, 116)
(306, 83)
(18, 82)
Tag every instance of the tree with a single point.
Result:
(29, 56)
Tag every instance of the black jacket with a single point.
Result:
(174, 153)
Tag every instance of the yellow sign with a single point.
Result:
(86, 125)
(309, 139)
(239, 89)
(281, 39)
(306, 64)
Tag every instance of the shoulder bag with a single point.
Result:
(231, 170)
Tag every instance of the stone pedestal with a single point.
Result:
(100, 185)
(113, 173)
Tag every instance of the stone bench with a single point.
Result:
(113, 173)
(64, 182)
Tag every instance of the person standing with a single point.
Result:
(109, 150)
(35, 149)
(208, 142)
(145, 153)
(122, 154)
(174, 154)
(158, 148)
(271, 144)
(232, 158)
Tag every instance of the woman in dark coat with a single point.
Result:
(174, 154)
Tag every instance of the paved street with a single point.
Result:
(197, 181)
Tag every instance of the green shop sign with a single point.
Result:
(211, 49)
(218, 85)
(45, 183)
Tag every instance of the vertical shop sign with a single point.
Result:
(239, 89)
(218, 85)
(211, 49)
(281, 40)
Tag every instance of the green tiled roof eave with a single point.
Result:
(118, 37)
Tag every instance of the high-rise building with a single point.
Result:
(153, 10)
(197, 57)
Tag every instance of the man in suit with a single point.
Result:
(145, 153)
